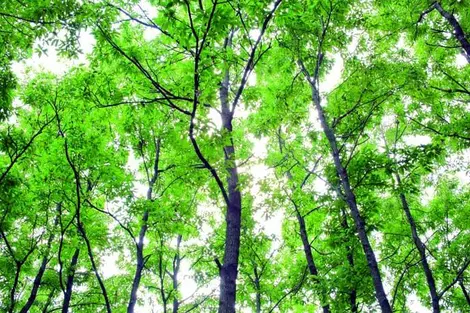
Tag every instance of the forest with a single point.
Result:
(234, 156)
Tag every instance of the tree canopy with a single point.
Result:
(235, 156)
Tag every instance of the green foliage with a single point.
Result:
(126, 161)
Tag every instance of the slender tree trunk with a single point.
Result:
(161, 276)
(95, 268)
(38, 278)
(422, 251)
(69, 284)
(350, 257)
(312, 268)
(80, 226)
(174, 276)
(229, 269)
(18, 266)
(464, 290)
(48, 301)
(258, 291)
(350, 199)
(353, 298)
(176, 305)
(140, 263)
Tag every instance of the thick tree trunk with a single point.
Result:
(422, 251)
(350, 199)
(69, 285)
(229, 269)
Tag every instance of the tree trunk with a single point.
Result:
(258, 291)
(69, 285)
(458, 31)
(38, 278)
(464, 290)
(421, 249)
(143, 230)
(350, 257)
(229, 269)
(48, 301)
(18, 266)
(36, 285)
(350, 199)
(174, 276)
(140, 263)
(80, 226)
(312, 268)
(104, 292)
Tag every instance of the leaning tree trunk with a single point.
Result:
(48, 301)
(458, 31)
(350, 199)
(421, 249)
(36, 284)
(312, 268)
(464, 290)
(38, 279)
(350, 257)
(140, 263)
(69, 285)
